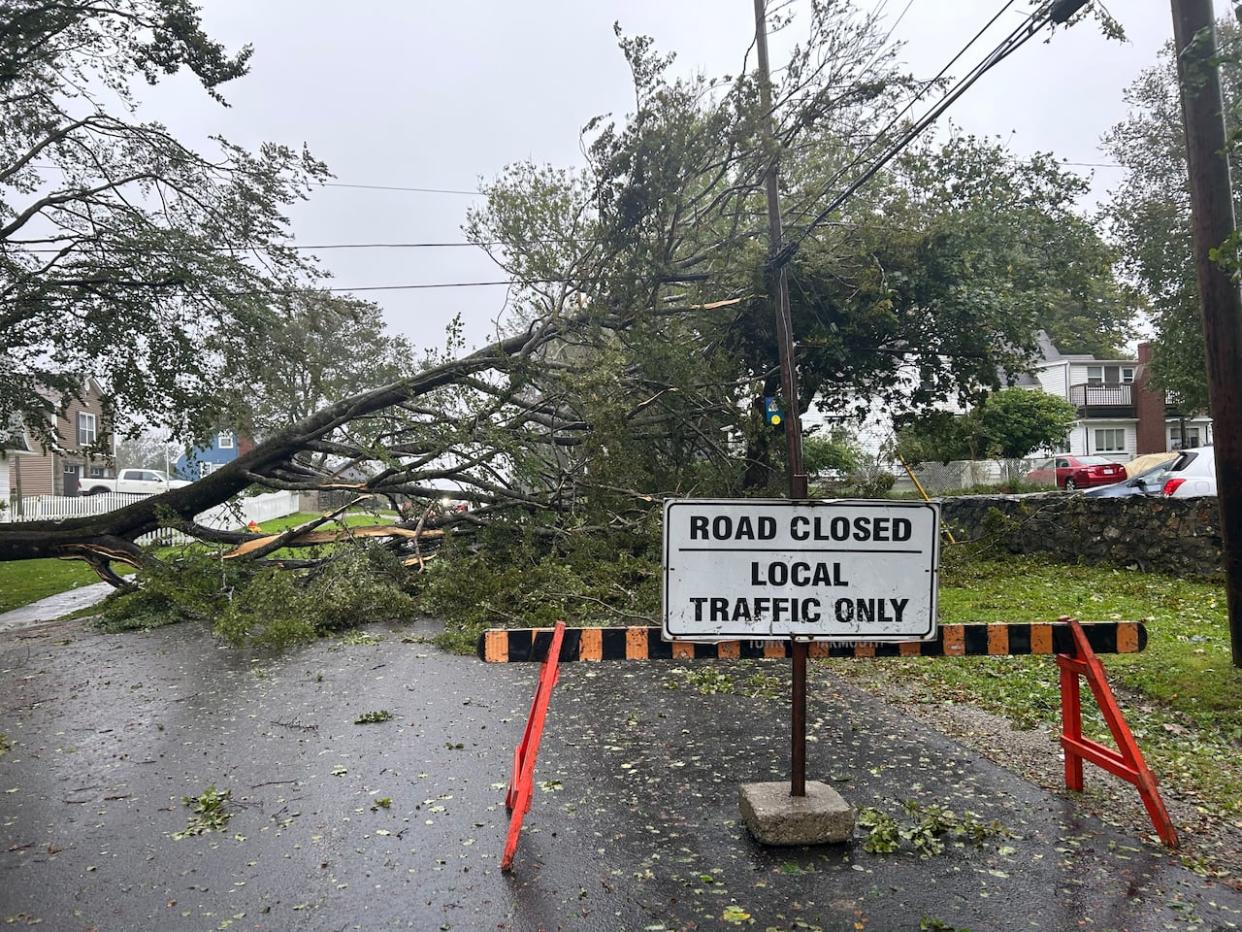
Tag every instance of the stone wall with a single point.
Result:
(1170, 535)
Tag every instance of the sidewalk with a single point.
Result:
(54, 606)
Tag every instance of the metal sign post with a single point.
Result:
(789, 382)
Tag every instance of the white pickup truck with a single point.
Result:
(133, 482)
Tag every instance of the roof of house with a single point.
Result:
(1049, 352)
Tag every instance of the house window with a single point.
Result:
(1127, 375)
(1110, 440)
(71, 469)
(98, 472)
(206, 469)
(1095, 375)
(1175, 437)
(86, 429)
(224, 440)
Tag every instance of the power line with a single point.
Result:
(396, 187)
(897, 21)
(419, 286)
(430, 245)
(1058, 10)
(1093, 164)
(339, 184)
(422, 285)
(802, 211)
(318, 246)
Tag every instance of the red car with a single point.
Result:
(1076, 472)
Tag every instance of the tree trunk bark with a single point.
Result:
(110, 536)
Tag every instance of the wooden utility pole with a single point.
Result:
(778, 286)
(1212, 224)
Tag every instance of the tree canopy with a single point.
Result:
(1016, 422)
(1011, 424)
(1149, 216)
(125, 255)
(639, 336)
(320, 347)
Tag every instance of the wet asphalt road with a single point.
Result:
(635, 826)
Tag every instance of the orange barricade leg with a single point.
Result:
(518, 797)
(1127, 762)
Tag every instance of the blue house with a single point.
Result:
(223, 447)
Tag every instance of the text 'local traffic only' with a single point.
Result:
(756, 569)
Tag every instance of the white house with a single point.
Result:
(14, 442)
(1119, 416)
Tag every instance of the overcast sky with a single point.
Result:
(441, 95)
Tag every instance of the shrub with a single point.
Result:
(256, 605)
(589, 580)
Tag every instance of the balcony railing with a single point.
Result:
(1101, 396)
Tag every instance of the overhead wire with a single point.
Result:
(802, 211)
(473, 192)
(1015, 40)
(397, 187)
(482, 244)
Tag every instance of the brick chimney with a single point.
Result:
(1148, 406)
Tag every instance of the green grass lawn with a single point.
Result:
(1182, 696)
(353, 519)
(26, 581)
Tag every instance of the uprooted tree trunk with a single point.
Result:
(109, 537)
(510, 429)
(621, 390)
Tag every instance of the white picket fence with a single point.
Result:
(57, 507)
(964, 474)
(235, 513)
(239, 512)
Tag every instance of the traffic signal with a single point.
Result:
(773, 414)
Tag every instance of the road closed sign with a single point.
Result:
(756, 569)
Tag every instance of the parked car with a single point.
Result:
(1192, 474)
(1076, 472)
(1148, 482)
(134, 482)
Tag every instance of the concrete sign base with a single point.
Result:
(776, 818)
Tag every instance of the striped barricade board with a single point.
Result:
(1074, 644)
(1005, 639)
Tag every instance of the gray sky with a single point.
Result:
(440, 95)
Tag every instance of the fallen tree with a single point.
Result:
(638, 336)
(109, 537)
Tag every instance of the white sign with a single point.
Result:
(762, 569)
